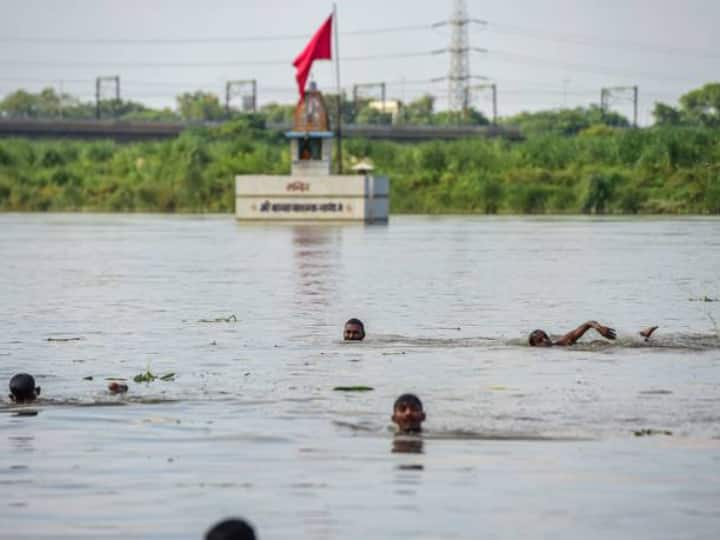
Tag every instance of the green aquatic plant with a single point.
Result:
(144, 377)
(148, 376)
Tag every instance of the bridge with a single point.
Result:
(126, 131)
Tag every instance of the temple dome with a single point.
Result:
(311, 113)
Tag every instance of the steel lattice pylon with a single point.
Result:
(459, 73)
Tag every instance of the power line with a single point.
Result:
(390, 29)
(491, 26)
(585, 68)
(596, 41)
(258, 63)
(200, 40)
(507, 56)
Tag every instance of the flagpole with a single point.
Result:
(339, 94)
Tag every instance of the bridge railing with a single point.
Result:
(128, 130)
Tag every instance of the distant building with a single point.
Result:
(390, 106)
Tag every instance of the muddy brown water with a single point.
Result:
(520, 442)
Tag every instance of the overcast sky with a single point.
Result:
(541, 54)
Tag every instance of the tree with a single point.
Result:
(565, 121)
(371, 115)
(276, 113)
(420, 111)
(702, 106)
(200, 106)
(121, 108)
(665, 115)
(347, 109)
(46, 103)
(19, 104)
(470, 117)
(699, 107)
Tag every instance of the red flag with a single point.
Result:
(318, 48)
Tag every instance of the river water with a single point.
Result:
(520, 442)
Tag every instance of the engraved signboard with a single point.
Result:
(335, 198)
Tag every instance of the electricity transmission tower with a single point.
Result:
(240, 89)
(619, 93)
(459, 72)
(99, 82)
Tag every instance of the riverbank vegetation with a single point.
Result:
(576, 163)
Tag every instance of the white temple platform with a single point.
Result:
(312, 198)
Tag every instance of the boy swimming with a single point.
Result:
(408, 414)
(231, 529)
(539, 338)
(354, 330)
(23, 389)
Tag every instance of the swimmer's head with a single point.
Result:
(539, 338)
(354, 330)
(23, 389)
(408, 413)
(231, 529)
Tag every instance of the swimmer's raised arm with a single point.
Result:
(604, 331)
(571, 337)
(647, 332)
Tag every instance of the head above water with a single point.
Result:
(539, 338)
(231, 529)
(408, 413)
(23, 389)
(354, 330)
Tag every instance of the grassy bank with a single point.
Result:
(600, 170)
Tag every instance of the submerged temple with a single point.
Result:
(311, 192)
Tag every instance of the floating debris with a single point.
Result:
(88, 378)
(231, 318)
(411, 467)
(117, 388)
(704, 299)
(65, 339)
(358, 388)
(649, 432)
(149, 376)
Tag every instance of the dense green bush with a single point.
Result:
(601, 170)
